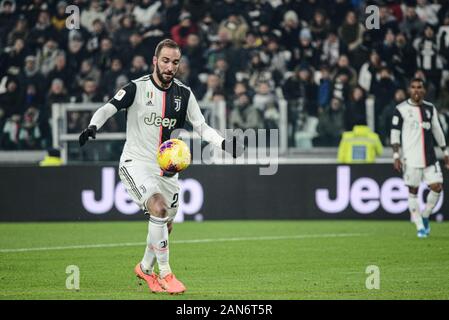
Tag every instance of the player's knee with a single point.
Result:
(156, 205)
(413, 190)
(437, 187)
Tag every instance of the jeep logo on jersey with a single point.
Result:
(159, 121)
(426, 125)
(418, 125)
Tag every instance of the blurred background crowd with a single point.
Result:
(317, 55)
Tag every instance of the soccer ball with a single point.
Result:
(173, 156)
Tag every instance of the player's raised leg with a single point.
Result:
(413, 206)
(432, 200)
(158, 240)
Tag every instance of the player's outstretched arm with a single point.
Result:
(98, 119)
(196, 118)
(123, 99)
(395, 138)
(397, 164)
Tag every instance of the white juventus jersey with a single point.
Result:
(414, 127)
(152, 115)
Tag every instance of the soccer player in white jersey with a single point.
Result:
(414, 126)
(155, 105)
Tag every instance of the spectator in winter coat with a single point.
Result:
(244, 115)
(20, 30)
(369, 70)
(289, 30)
(331, 124)
(60, 71)
(10, 134)
(412, 25)
(88, 16)
(11, 100)
(429, 56)
(87, 71)
(355, 113)
(109, 78)
(427, 11)
(236, 27)
(351, 31)
(320, 27)
(333, 48)
(29, 133)
(145, 11)
(305, 53)
(181, 31)
(383, 91)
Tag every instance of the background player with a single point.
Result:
(414, 125)
(156, 105)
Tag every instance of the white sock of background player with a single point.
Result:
(432, 199)
(413, 206)
(158, 236)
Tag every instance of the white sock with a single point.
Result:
(149, 258)
(159, 243)
(432, 199)
(414, 210)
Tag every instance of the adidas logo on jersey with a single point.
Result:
(159, 121)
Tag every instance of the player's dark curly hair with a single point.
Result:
(169, 43)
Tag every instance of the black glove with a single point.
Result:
(233, 146)
(90, 131)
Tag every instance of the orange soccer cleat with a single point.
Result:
(151, 279)
(171, 284)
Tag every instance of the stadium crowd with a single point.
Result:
(317, 55)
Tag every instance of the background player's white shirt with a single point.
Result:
(414, 127)
(153, 113)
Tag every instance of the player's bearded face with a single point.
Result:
(165, 76)
(417, 91)
(167, 64)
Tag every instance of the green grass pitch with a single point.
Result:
(228, 260)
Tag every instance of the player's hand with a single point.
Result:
(90, 131)
(446, 162)
(233, 146)
(397, 165)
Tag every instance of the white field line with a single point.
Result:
(132, 244)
